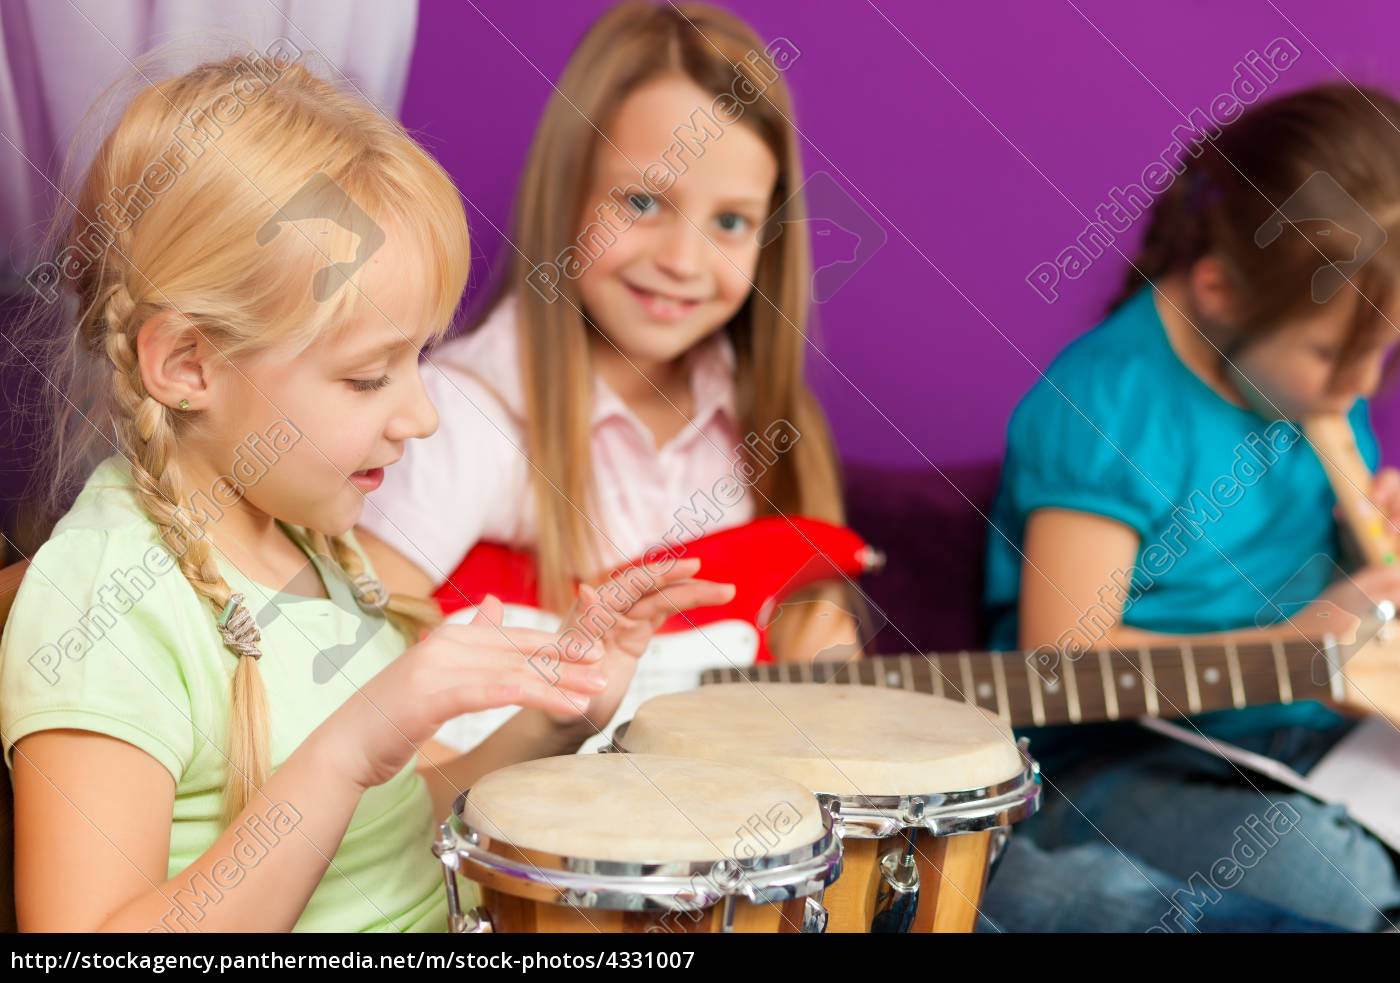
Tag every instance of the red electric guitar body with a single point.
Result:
(766, 559)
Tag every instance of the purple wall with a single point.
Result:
(982, 145)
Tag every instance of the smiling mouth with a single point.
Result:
(662, 304)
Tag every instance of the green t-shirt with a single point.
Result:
(107, 636)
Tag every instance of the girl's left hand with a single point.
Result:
(621, 616)
(1385, 495)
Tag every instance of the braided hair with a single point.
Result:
(189, 253)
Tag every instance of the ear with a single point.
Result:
(176, 361)
(1211, 291)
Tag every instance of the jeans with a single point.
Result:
(1152, 835)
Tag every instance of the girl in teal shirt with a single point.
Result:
(1156, 485)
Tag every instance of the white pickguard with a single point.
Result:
(672, 663)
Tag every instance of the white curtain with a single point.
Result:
(58, 56)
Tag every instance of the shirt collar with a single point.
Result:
(492, 354)
(711, 368)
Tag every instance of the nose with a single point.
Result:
(680, 253)
(416, 416)
(1362, 377)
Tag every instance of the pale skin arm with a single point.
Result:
(526, 735)
(89, 858)
(630, 619)
(1070, 556)
(93, 814)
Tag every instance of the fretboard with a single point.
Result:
(1102, 684)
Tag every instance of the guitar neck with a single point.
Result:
(1026, 689)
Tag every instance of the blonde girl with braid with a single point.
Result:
(193, 746)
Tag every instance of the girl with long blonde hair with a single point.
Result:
(647, 338)
(254, 262)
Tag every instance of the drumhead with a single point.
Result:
(840, 740)
(639, 808)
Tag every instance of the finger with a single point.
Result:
(490, 611)
(682, 597)
(645, 577)
(525, 640)
(542, 696)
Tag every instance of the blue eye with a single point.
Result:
(641, 203)
(368, 385)
(731, 222)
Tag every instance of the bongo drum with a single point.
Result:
(638, 843)
(921, 789)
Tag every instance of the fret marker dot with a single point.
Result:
(892, 678)
(1127, 680)
(1212, 675)
(984, 691)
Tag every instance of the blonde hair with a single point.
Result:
(629, 45)
(192, 255)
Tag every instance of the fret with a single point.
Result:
(1334, 667)
(1193, 683)
(1071, 690)
(1285, 685)
(1056, 700)
(969, 686)
(937, 669)
(1211, 677)
(852, 673)
(1232, 662)
(1232, 673)
(1258, 672)
(999, 676)
(1110, 687)
(1128, 688)
(1306, 661)
(1149, 682)
(1037, 697)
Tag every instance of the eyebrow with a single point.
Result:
(383, 351)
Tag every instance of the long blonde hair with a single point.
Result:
(190, 252)
(630, 44)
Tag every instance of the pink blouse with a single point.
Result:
(468, 482)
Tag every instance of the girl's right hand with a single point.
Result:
(456, 669)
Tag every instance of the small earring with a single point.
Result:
(184, 404)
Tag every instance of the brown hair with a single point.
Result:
(1239, 200)
(629, 45)
(192, 253)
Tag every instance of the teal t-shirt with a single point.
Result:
(106, 635)
(1234, 511)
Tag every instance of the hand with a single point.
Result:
(455, 669)
(1369, 671)
(1340, 609)
(615, 622)
(1385, 496)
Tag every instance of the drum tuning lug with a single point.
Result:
(475, 922)
(813, 917)
(900, 872)
(444, 841)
